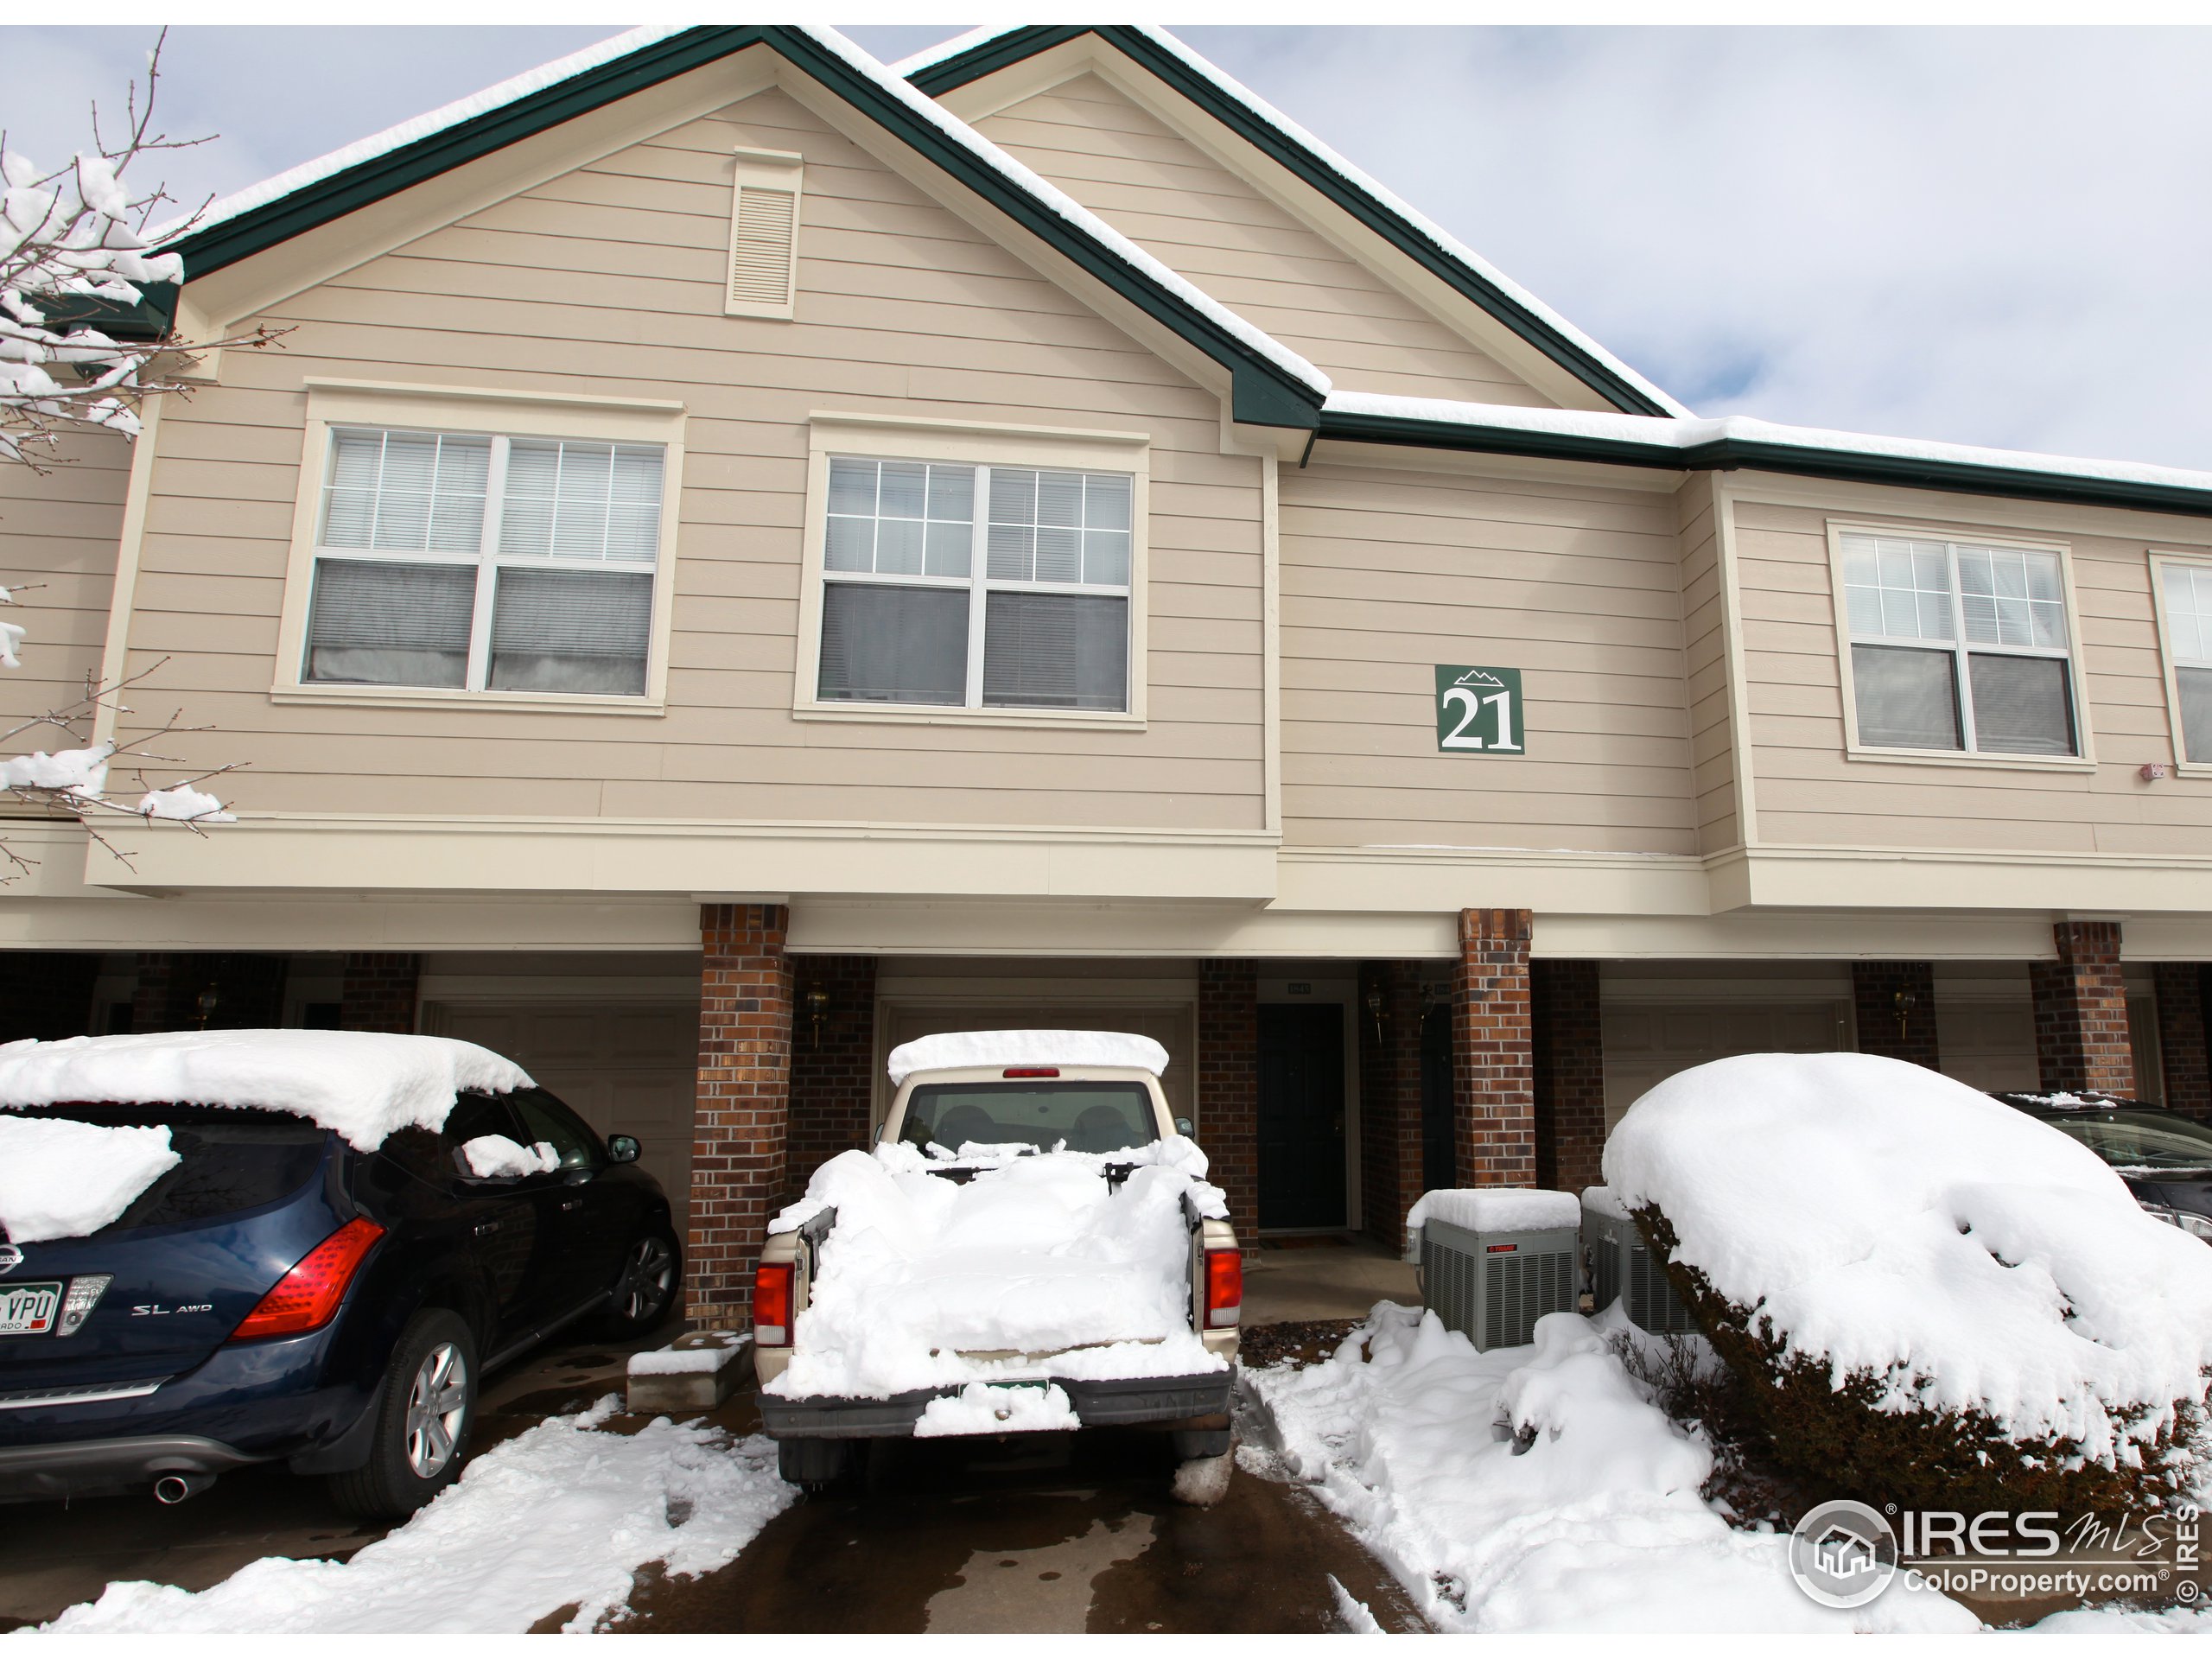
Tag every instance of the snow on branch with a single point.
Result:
(76, 243)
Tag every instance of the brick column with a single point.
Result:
(1228, 1087)
(1492, 1060)
(2181, 1050)
(742, 1109)
(249, 988)
(379, 991)
(2080, 1003)
(833, 1063)
(1875, 988)
(1389, 1098)
(46, 993)
(1569, 1073)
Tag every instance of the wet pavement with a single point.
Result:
(1036, 1533)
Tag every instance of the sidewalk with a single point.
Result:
(1334, 1276)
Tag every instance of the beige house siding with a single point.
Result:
(1204, 221)
(1810, 793)
(609, 281)
(1705, 638)
(1387, 573)
(59, 531)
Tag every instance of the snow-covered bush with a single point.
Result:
(1938, 1300)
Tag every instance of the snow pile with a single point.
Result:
(1886, 1219)
(1493, 1210)
(1605, 1202)
(997, 1408)
(59, 1179)
(1004, 1048)
(364, 1085)
(702, 1353)
(494, 1157)
(922, 1276)
(560, 1514)
(1596, 1525)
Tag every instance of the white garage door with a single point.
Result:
(627, 1070)
(1647, 1042)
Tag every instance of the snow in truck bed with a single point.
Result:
(1032, 1255)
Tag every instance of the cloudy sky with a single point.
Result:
(1991, 235)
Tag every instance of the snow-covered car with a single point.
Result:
(2165, 1157)
(1031, 1245)
(229, 1247)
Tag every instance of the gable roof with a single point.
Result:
(983, 52)
(1271, 384)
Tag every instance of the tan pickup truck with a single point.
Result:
(1002, 1113)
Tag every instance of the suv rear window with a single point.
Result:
(1087, 1117)
(230, 1161)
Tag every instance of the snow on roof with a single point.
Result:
(1890, 1220)
(1672, 433)
(1445, 242)
(1047, 195)
(959, 1048)
(364, 1085)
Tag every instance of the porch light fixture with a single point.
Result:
(1906, 1001)
(818, 1009)
(206, 1003)
(1375, 1007)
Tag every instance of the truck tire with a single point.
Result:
(813, 1464)
(1200, 1442)
(424, 1410)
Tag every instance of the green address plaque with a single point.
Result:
(1479, 711)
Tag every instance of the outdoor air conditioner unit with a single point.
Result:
(1622, 1269)
(1496, 1260)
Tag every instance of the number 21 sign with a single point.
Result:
(1478, 710)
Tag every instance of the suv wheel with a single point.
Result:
(424, 1410)
(652, 1269)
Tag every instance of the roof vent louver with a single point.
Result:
(763, 235)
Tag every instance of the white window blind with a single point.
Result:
(1959, 647)
(485, 563)
(2189, 635)
(1024, 604)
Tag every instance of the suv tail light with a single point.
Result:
(307, 1298)
(1224, 1287)
(771, 1305)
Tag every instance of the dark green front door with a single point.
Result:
(1301, 1116)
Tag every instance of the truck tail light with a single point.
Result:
(1031, 1071)
(771, 1305)
(1224, 1287)
(307, 1298)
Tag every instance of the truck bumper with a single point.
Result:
(1186, 1402)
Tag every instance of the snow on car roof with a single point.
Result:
(364, 1084)
(958, 1048)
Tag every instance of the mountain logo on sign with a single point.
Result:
(1477, 676)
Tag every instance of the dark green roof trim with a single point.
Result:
(987, 57)
(147, 320)
(1734, 455)
(1262, 390)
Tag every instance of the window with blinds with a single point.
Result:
(763, 235)
(1956, 646)
(976, 587)
(484, 562)
(2186, 590)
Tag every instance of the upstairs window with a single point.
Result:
(978, 586)
(474, 562)
(1959, 647)
(2187, 592)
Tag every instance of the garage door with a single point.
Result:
(628, 1070)
(1168, 1026)
(1649, 1042)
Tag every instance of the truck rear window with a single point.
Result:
(1087, 1117)
(230, 1161)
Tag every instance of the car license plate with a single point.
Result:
(28, 1310)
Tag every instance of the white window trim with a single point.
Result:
(2077, 680)
(2168, 664)
(472, 411)
(972, 443)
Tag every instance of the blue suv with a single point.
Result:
(280, 1294)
